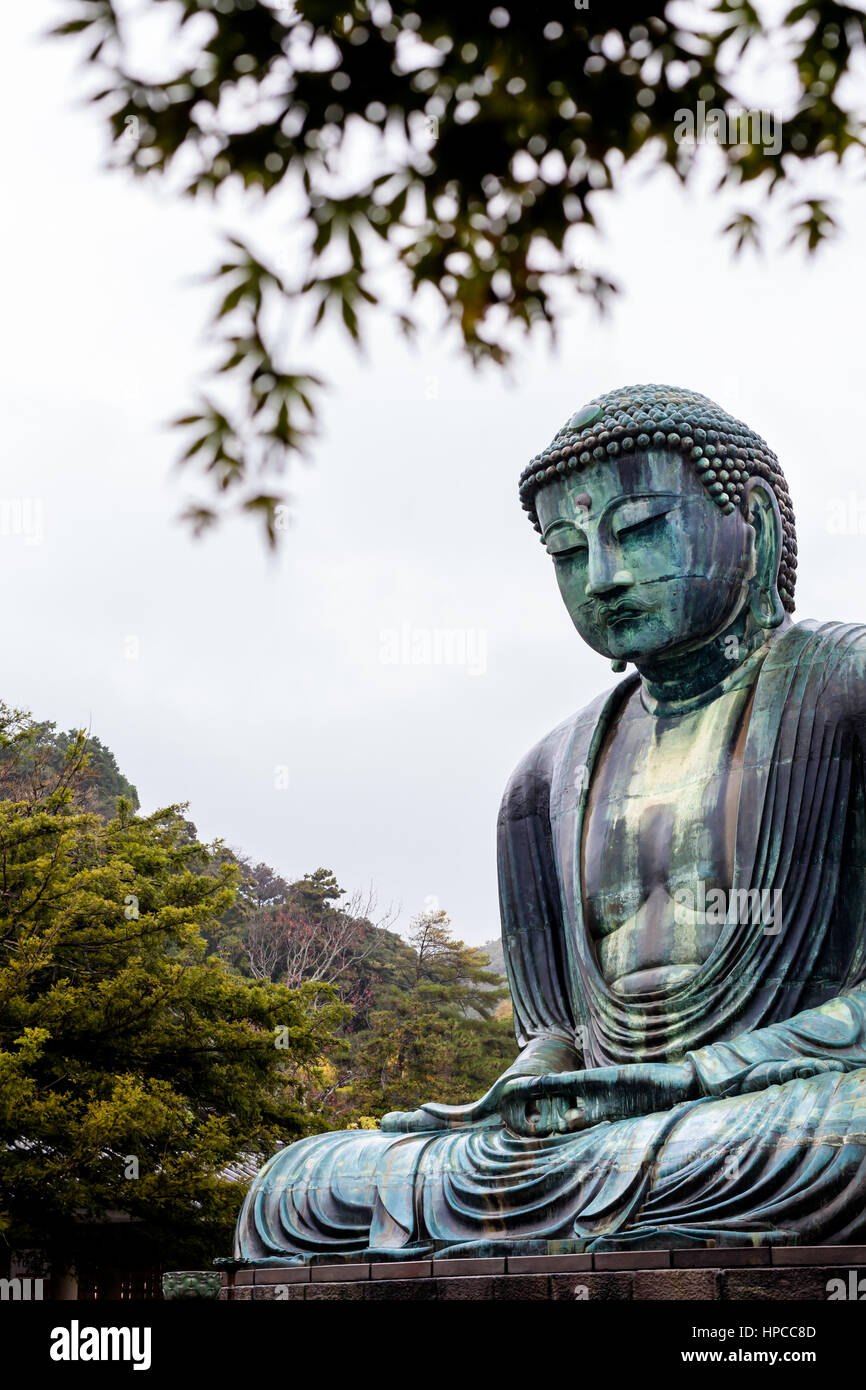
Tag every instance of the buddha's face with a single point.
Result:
(645, 560)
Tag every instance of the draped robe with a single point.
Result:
(745, 1162)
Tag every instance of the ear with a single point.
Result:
(763, 513)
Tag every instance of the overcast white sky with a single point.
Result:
(409, 516)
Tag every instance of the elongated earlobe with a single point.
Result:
(766, 607)
(765, 603)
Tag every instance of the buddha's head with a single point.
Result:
(667, 521)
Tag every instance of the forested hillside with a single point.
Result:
(169, 1007)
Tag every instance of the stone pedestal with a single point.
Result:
(808, 1273)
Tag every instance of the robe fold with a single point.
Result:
(748, 1161)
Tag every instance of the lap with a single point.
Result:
(759, 1163)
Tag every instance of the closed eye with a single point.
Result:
(641, 524)
(641, 512)
(571, 552)
(564, 539)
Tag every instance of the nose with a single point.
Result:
(604, 573)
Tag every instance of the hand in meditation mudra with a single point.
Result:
(682, 870)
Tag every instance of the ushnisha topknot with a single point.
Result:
(724, 452)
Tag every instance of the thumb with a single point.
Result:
(472, 1110)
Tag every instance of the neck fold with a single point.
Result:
(688, 678)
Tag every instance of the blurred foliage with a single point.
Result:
(463, 146)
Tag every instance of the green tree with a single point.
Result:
(316, 894)
(447, 969)
(435, 1034)
(260, 889)
(134, 1069)
(35, 758)
(461, 151)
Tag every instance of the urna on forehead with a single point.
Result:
(724, 452)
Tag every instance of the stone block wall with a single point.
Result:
(802, 1273)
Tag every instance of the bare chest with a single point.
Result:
(659, 833)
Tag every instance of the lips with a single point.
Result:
(612, 613)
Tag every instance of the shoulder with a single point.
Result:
(832, 657)
(528, 788)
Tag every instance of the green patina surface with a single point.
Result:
(186, 1284)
